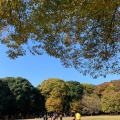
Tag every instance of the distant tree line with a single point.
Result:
(20, 99)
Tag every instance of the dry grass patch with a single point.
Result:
(95, 118)
(85, 118)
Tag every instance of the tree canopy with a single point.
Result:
(74, 94)
(26, 97)
(88, 88)
(111, 102)
(90, 104)
(7, 100)
(54, 90)
(75, 90)
(83, 34)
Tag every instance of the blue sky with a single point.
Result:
(39, 68)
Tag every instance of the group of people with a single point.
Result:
(54, 117)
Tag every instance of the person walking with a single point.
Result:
(77, 116)
(60, 116)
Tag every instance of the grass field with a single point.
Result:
(96, 118)
(87, 118)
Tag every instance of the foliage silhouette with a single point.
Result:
(82, 34)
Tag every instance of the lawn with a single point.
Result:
(95, 118)
(85, 118)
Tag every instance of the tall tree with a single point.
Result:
(74, 94)
(90, 105)
(83, 34)
(75, 90)
(7, 100)
(53, 89)
(24, 93)
(111, 102)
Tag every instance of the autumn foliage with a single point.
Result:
(83, 34)
(59, 96)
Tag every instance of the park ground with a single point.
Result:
(87, 118)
